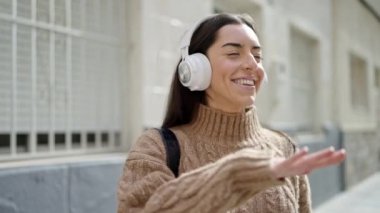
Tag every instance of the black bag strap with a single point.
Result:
(173, 152)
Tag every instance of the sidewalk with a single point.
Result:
(363, 198)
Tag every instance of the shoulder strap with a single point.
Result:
(173, 152)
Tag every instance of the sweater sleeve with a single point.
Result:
(304, 199)
(148, 185)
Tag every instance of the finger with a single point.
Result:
(287, 166)
(336, 158)
(308, 161)
(297, 156)
(317, 156)
(315, 160)
(303, 150)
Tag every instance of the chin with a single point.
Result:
(249, 103)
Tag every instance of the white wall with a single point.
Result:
(157, 27)
(358, 33)
(312, 18)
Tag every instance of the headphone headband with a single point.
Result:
(194, 70)
(186, 39)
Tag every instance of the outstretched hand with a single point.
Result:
(302, 162)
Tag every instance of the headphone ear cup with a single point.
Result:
(195, 72)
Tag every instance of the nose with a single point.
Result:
(250, 62)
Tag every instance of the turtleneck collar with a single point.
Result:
(216, 124)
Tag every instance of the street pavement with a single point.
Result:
(362, 198)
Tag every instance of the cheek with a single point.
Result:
(261, 74)
(224, 67)
(222, 78)
(220, 71)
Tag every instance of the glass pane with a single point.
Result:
(5, 144)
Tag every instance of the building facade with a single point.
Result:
(80, 78)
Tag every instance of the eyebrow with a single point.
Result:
(238, 45)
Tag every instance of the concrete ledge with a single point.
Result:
(85, 184)
(83, 158)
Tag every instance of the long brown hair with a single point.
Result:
(182, 102)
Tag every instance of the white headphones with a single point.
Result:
(194, 70)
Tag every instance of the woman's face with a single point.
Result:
(237, 70)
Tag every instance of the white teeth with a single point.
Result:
(245, 82)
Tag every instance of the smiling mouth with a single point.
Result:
(244, 82)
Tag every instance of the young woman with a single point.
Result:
(229, 162)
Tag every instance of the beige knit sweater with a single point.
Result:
(224, 167)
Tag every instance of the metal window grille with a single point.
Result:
(60, 69)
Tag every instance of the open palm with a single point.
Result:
(302, 162)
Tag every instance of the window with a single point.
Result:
(60, 69)
(5, 142)
(359, 82)
(377, 78)
(303, 69)
(377, 84)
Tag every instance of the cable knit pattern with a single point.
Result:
(224, 167)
